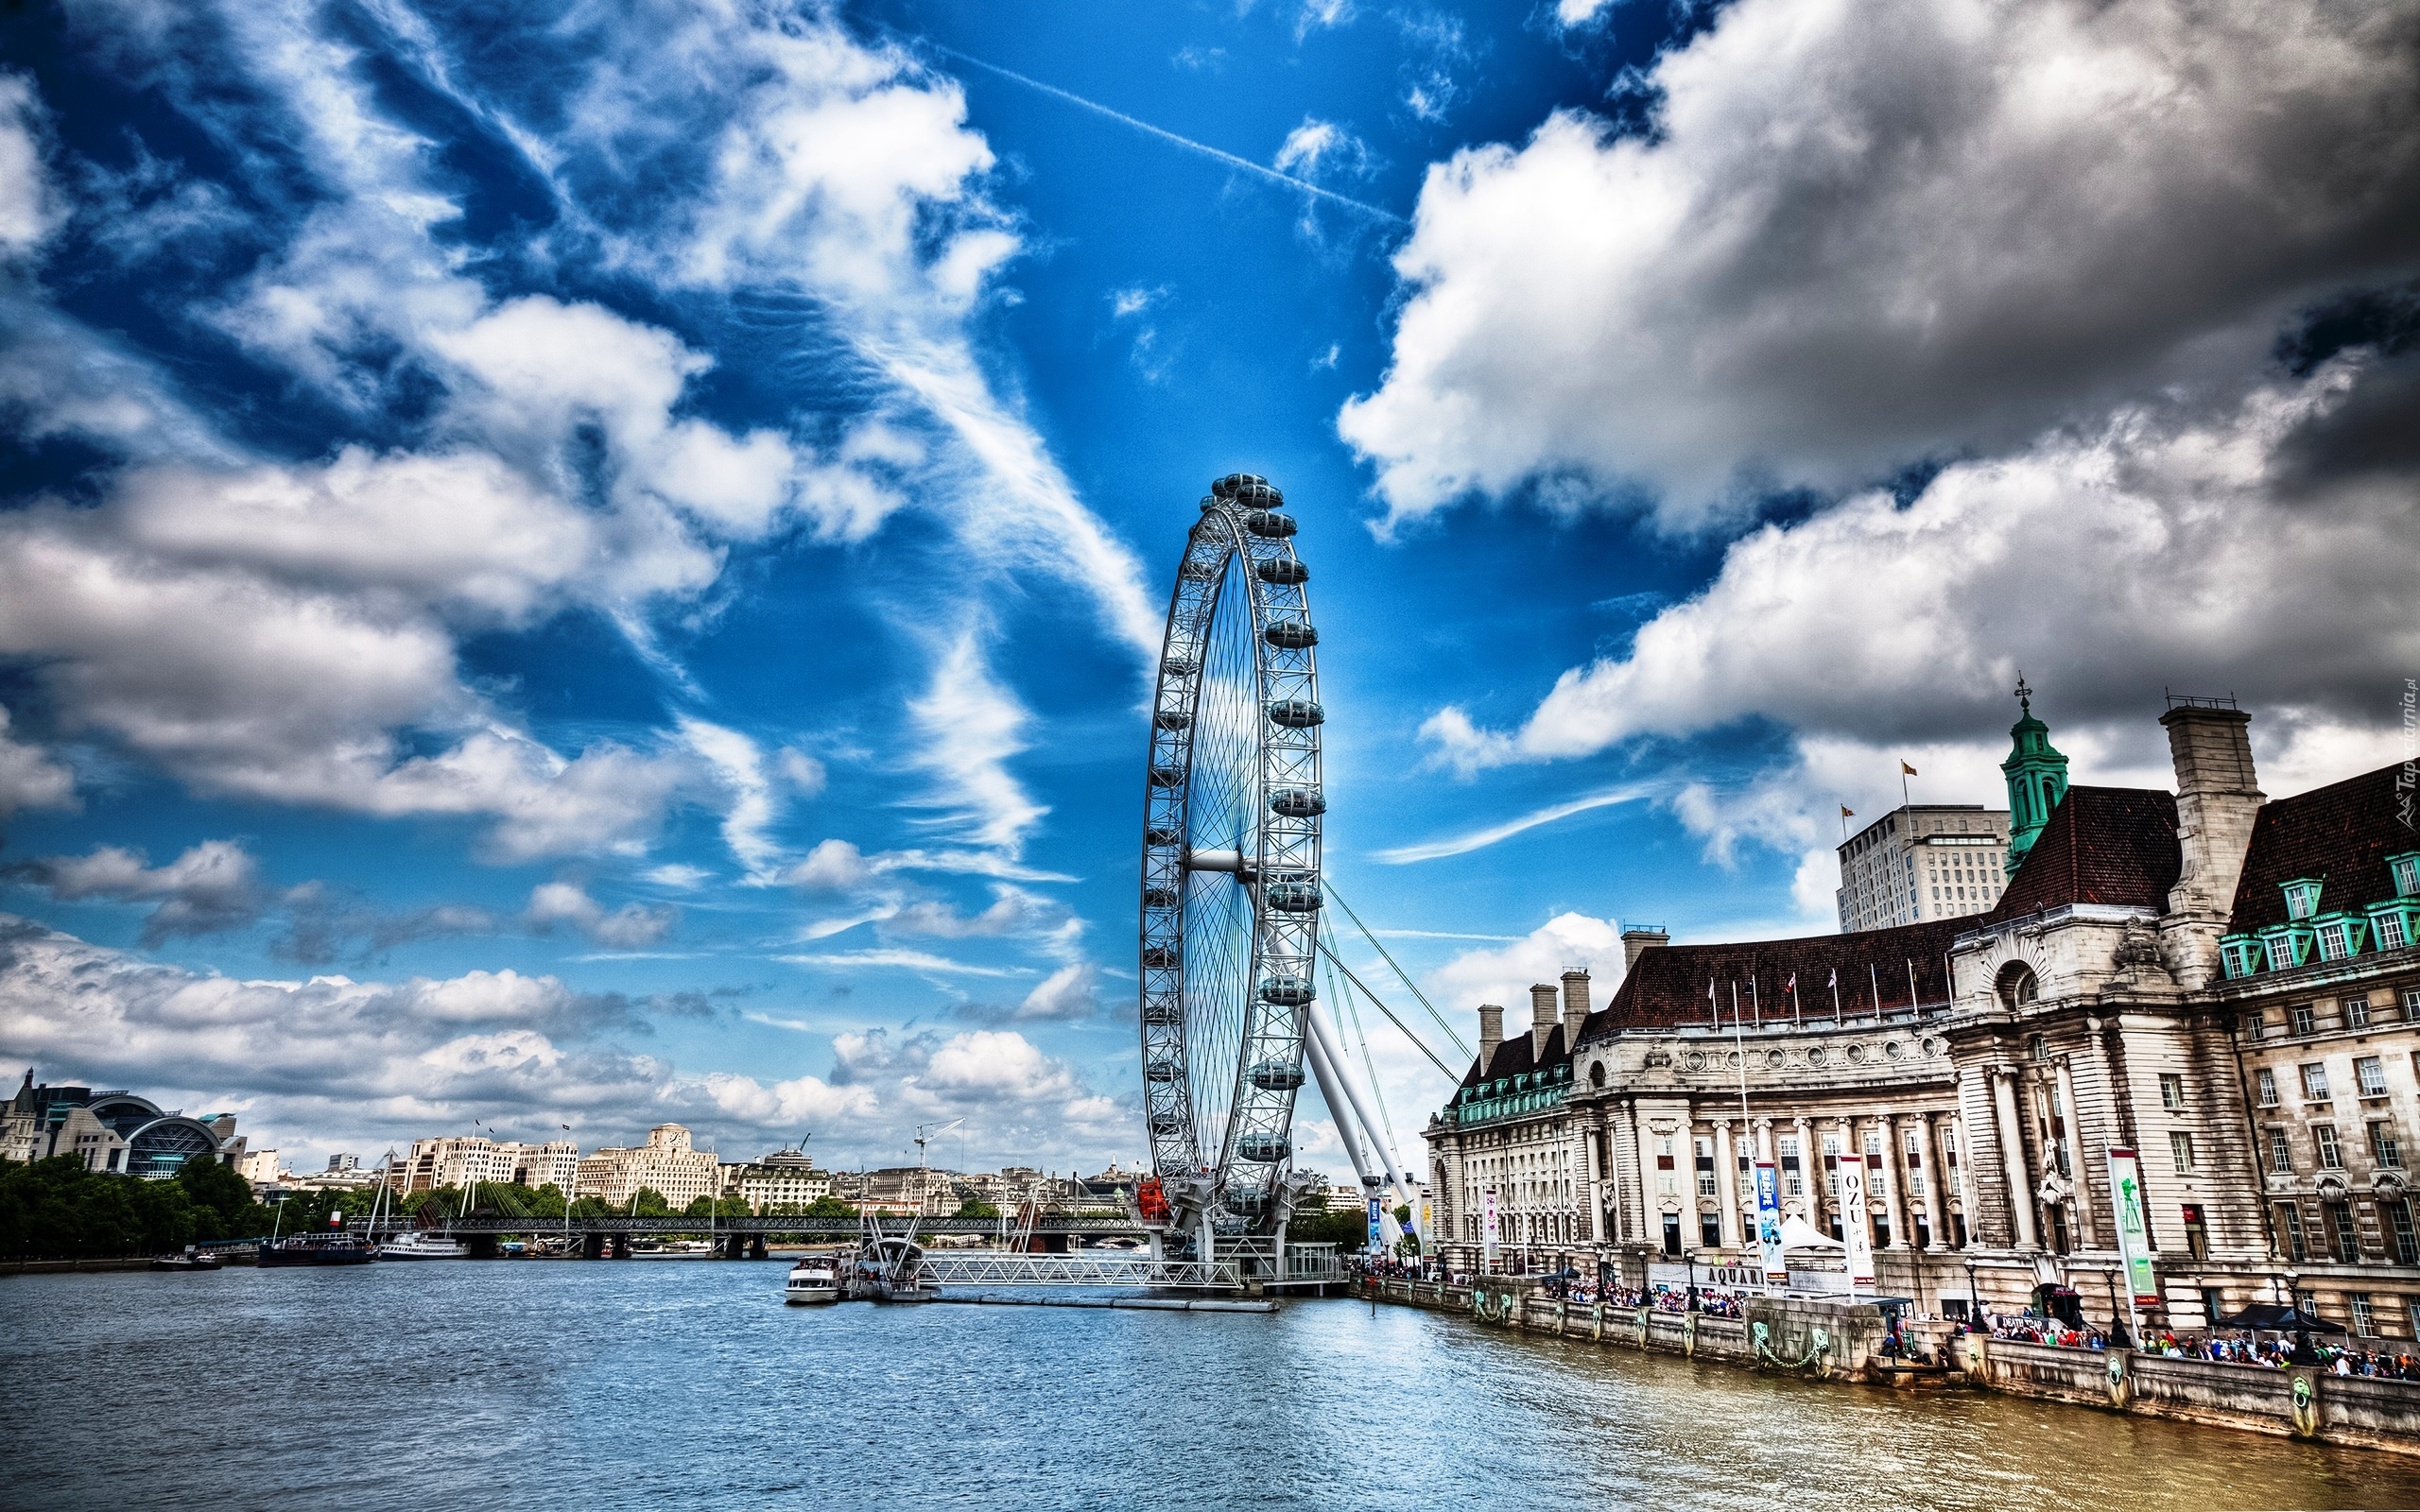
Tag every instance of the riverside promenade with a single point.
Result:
(1842, 1342)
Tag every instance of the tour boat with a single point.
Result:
(423, 1243)
(192, 1259)
(812, 1283)
(318, 1249)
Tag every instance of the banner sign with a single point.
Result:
(1423, 1215)
(1377, 1225)
(1487, 1231)
(2133, 1229)
(1854, 1230)
(1769, 1224)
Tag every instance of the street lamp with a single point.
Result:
(1974, 1297)
(2118, 1339)
(1688, 1258)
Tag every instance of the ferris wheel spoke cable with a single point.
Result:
(1401, 976)
(1369, 1062)
(1328, 951)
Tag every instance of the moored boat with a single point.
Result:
(318, 1249)
(812, 1283)
(193, 1258)
(423, 1243)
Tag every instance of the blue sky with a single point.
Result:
(586, 564)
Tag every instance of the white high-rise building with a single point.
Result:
(1922, 861)
(665, 1163)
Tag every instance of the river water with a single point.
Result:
(671, 1383)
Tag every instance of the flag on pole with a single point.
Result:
(1847, 812)
(1909, 770)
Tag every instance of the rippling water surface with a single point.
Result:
(664, 1383)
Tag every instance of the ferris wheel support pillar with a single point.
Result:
(1395, 1175)
(1332, 1093)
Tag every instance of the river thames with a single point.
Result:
(658, 1384)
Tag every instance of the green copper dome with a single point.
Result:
(2037, 777)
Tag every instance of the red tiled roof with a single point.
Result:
(2104, 845)
(2340, 834)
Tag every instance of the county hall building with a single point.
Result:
(2223, 985)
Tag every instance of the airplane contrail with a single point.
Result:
(1186, 141)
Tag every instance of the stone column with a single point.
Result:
(1592, 1176)
(1650, 1232)
(2085, 1226)
(1726, 1183)
(2012, 1141)
(1810, 1172)
(1936, 1180)
(1895, 1203)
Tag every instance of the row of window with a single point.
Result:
(2302, 1018)
(2369, 1080)
(2340, 1232)
(2386, 1148)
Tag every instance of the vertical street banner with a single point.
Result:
(1377, 1226)
(1487, 1230)
(1856, 1230)
(2134, 1228)
(1424, 1219)
(1769, 1224)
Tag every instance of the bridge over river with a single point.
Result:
(744, 1238)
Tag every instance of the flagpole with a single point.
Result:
(1836, 995)
(1797, 1009)
(1912, 1006)
(1874, 980)
(1755, 999)
(1739, 1048)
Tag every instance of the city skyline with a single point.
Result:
(603, 574)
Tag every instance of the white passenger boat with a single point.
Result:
(423, 1243)
(812, 1283)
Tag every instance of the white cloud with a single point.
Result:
(751, 813)
(1013, 911)
(631, 926)
(213, 887)
(2165, 551)
(996, 1078)
(1073, 992)
(1316, 146)
(676, 876)
(1489, 834)
(804, 774)
(1504, 975)
(1869, 233)
(901, 960)
(972, 726)
(29, 779)
(27, 202)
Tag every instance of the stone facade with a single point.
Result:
(1985, 1066)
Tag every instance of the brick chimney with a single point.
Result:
(1490, 1033)
(2218, 795)
(1541, 1020)
(1637, 940)
(1575, 1006)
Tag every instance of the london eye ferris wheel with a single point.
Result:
(1231, 885)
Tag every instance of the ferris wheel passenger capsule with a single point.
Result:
(1265, 1148)
(1292, 635)
(1278, 1076)
(1284, 572)
(1286, 992)
(1295, 713)
(1298, 802)
(1269, 523)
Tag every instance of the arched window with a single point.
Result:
(2016, 985)
(1597, 1074)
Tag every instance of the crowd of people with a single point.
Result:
(2274, 1351)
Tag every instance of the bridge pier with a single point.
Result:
(756, 1246)
(734, 1247)
(591, 1246)
(482, 1246)
(621, 1247)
